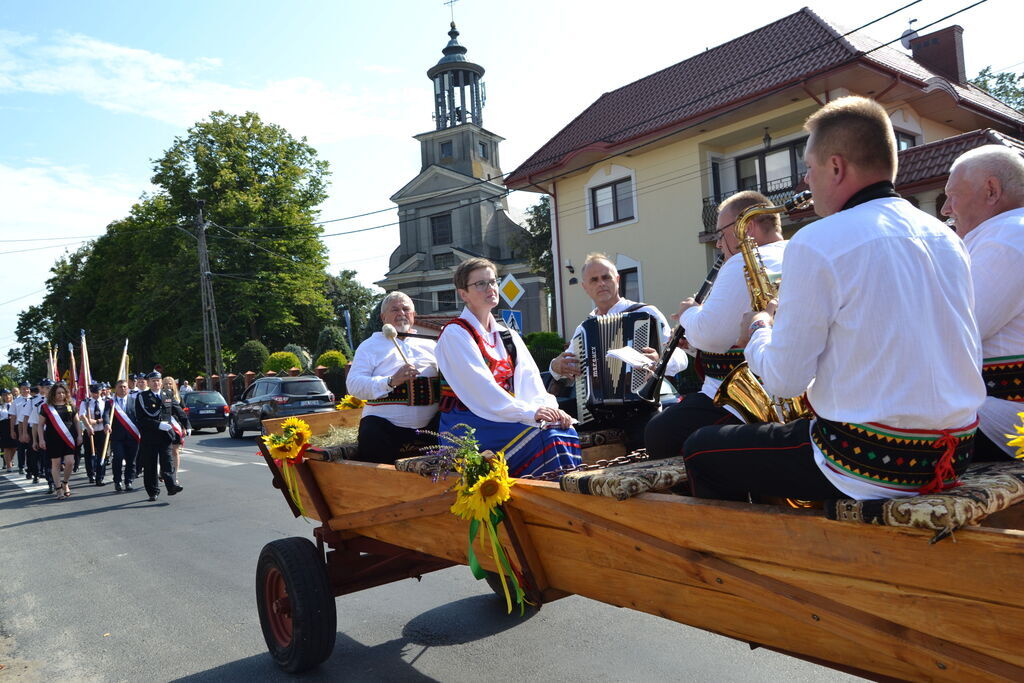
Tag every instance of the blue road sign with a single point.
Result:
(512, 319)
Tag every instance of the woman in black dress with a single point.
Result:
(62, 432)
(8, 443)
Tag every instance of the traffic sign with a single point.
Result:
(512, 319)
(511, 290)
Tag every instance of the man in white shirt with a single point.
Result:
(713, 327)
(402, 397)
(875, 321)
(985, 199)
(600, 280)
(22, 406)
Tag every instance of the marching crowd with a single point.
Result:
(137, 428)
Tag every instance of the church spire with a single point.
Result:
(459, 96)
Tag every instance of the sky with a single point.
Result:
(92, 92)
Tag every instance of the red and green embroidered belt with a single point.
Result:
(718, 365)
(422, 391)
(921, 460)
(1004, 377)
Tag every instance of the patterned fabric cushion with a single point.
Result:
(423, 465)
(345, 451)
(625, 481)
(986, 488)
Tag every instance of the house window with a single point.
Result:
(445, 260)
(446, 300)
(773, 171)
(482, 149)
(612, 203)
(441, 229)
(904, 140)
(446, 149)
(629, 284)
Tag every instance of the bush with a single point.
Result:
(544, 346)
(332, 338)
(332, 360)
(305, 360)
(281, 362)
(252, 356)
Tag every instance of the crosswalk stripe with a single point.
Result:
(216, 462)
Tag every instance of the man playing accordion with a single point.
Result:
(874, 320)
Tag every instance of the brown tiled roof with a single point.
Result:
(931, 162)
(794, 48)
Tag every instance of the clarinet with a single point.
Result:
(654, 382)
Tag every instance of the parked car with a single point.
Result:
(206, 409)
(270, 397)
(566, 393)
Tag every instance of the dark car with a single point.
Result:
(270, 397)
(206, 409)
(566, 393)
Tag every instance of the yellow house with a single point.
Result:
(638, 174)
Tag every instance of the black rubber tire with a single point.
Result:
(233, 431)
(494, 582)
(314, 617)
(220, 430)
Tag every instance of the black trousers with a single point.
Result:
(39, 465)
(633, 421)
(730, 462)
(668, 430)
(122, 454)
(383, 442)
(93, 455)
(23, 449)
(154, 453)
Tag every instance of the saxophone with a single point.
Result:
(741, 389)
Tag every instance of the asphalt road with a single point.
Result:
(107, 586)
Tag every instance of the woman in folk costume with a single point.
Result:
(62, 432)
(490, 382)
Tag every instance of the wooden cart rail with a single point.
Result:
(877, 600)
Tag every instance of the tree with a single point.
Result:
(1005, 86)
(344, 291)
(544, 346)
(281, 362)
(305, 359)
(332, 338)
(252, 356)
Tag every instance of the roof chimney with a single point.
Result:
(942, 52)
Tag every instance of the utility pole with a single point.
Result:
(211, 329)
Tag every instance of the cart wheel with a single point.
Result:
(296, 605)
(494, 581)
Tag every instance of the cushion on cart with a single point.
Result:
(624, 481)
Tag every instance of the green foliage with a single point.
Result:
(9, 377)
(537, 243)
(252, 356)
(281, 362)
(544, 346)
(344, 291)
(1005, 86)
(333, 360)
(332, 337)
(139, 280)
(305, 360)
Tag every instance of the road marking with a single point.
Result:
(25, 484)
(216, 462)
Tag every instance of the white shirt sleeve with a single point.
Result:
(996, 270)
(785, 357)
(459, 360)
(578, 331)
(678, 361)
(360, 381)
(715, 326)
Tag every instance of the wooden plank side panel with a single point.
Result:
(319, 423)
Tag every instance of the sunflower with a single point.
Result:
(299, 430)
(479, 500)
(1017, 440)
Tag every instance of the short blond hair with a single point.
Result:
(748, 198)
(857, 129)
(594, 257)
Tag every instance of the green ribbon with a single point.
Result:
(504, 568)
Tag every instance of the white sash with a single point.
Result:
(126, 422)
(58, 424)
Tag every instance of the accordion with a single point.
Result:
(605, 384)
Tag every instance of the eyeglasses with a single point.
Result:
(483, 285)
(717, 234)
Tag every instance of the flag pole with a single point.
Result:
(85, 389)
(122, 373)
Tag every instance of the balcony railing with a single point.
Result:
(778, 191)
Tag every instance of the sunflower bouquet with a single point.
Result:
(350, 402)
(287, 449)
(482, 486)
(1017, 440)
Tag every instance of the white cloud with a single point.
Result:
(177, 92)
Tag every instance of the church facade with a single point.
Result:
(455, 208)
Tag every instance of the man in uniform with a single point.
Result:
(154, 421)
(38, 462)
(139, 381)
(985, 199)
(22, 406)
(713, 327)
(874, 320)
(123, 434)
(91, 411)
(401, 397)
(600, 280)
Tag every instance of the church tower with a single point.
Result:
(456, 207)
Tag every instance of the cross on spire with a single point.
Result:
(451, 6)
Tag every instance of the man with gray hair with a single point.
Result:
(985, 200)
(398, 380)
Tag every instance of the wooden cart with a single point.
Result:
(879, 602)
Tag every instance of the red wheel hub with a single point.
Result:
(279, 607)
